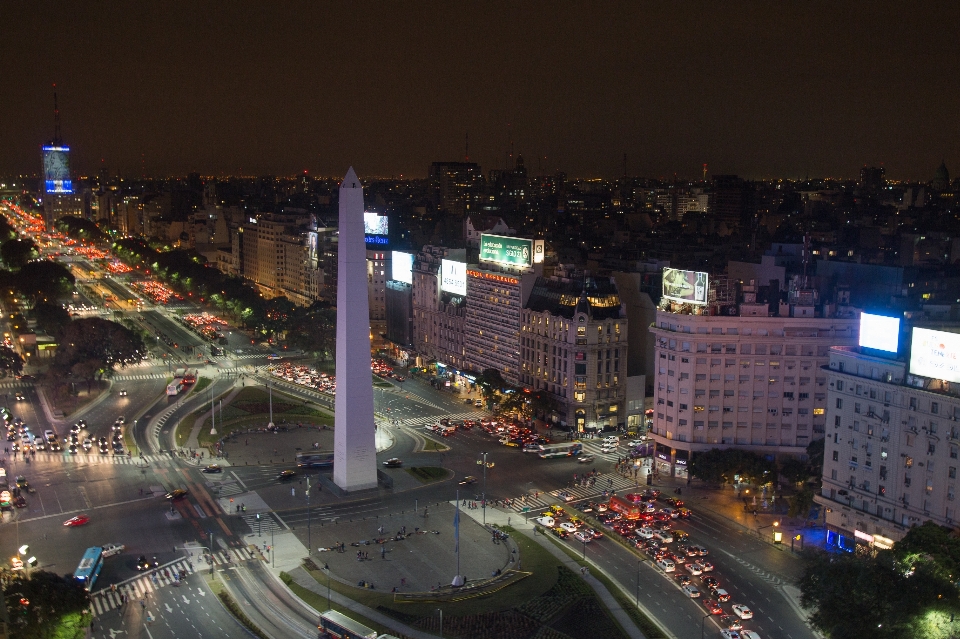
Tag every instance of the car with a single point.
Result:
(570, 528)
(75, 429)
(478, 403)
(273, 356)
(664, 536)
(749, 634)
(712, 606)
(19, 501)
(706, 565)
(681, 536)
(120, 420)
(104, 449)
(546, 521)
(22, 482)
(112, 549)
(726, 633)
(710, 582)
(583, 537)
(694, 568)
(393, 462)
(145, 564)
(72, 449)
(286, 475)
(608, 449)
(691, 591)
(212, 468)
(684, 513)
(683, 580)
(700, 550)
(27, 378)
(19, 397)
(531, 448)
(593, 532)
(730, 622)
(123, 392)
(720, 594)
(469, 479)
(565, 496)
(555, 511)
(586, 459)
(645, 533)
(742, 611)
(509, 442)
(560, 532)
(178, 493)
(76, 520)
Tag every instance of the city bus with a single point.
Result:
(314, 460)
(89, 568)
(568, 449)
(175, 387)
(340, 626)
(627, 508)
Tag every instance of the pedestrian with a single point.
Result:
(143, 604)
(403, 581)
(383, 552)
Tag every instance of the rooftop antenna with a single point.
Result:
(56, 119)
(466, 154)
(624, 165)
(704, 171)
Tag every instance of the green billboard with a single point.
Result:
(515, 251)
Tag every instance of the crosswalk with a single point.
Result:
(139, 378)
(267, 522)
(141, 586)
(415, 422)
(86, 458)
(15, 384)
(605, 482)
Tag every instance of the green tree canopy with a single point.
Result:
(314, 329)
(44, 280)
(721, 466)
(46, 605)
(51, 317)
(10, 361)
(79, 228)
(91, 347)
(17, 252)
(7, 232)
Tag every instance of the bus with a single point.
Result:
(89, 568)
(314, 460)
(190, 377)
(568, 449)
(175, 387)
(627, 508)
(340, 626)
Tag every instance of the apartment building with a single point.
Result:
(751, 382)
(438, 316)
(892, 450)
(573, 345)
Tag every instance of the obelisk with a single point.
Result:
(354, 448)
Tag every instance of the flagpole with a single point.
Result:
(457, 531)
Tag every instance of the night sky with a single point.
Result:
(759, 89)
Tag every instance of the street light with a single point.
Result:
(702, 622)
(483, 501)
(638, 583)
(440, 610)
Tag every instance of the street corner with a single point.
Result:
(249, 503)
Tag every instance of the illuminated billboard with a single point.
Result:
(880, 332)
(402, 267)
(685, 286)
(513, 251)
(374, 224)
(935, 354)
(56, 169)
(538, 251)
(453, 277)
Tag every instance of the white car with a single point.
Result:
(706, 566)
(549, 522)
(663, 536)
(742, 611)
(694, 568)
(645, 533)
(87, 444)
(570, 528)
(112, 549)
(748, 634)
(691, 591)
(730, 634)
(608, 449)
(582, 537)
(585, 459)
(635, 442)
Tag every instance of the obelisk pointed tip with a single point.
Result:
(350, 180)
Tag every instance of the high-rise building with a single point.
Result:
(57, 191)
(438, 314)
(456, 187)
(872, 179)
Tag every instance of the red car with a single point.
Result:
(712, 606)
(78, 520)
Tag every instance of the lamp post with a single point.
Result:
(259, 526)
(440, 610)
(638, 583)
(702, 621)
(483, 502)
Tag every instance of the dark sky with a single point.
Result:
(760, 89)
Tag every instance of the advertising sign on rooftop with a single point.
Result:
(402, 267)
(685, 286)
(880, 332)
(453, 277)
(56, 169)
(513, 251)
(375, 228)
(935, 354)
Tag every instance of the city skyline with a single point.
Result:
(758, 91)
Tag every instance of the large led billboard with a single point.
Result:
(56, 169)
(513, 251)
(538, 251)
(453, 277)
(374, 228)
(880, 332)
(685, 286)
(401, 266)
(935, 354)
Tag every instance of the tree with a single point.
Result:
(795, 470)
(314, 329)
(17, 252)
(7, 232)
(51, 318)
(91, 347)
(10, 361)
(722, 466)
(44, 280)
(490, 382)
(79, 228)
(46, 605)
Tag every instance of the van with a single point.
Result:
(663, 536)
(666, 565)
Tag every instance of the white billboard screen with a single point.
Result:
(453, 277)
(685, 286)
(880, 332)
(935, 354)
(374, 224)
(402, 267)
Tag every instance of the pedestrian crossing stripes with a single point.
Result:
(414, 422)
(141, 586)
(262, 523)
(137, 378)
(228, 489)
(15, 384)
(84, 458)
(538, 500)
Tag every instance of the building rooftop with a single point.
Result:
(595, 296)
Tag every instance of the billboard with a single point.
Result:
(935, 354)
(513, 251)
(402, 267)
(374, 228)
(538, 251)
(453, 277)
(685, 286)
(56, 169)
(880, 332)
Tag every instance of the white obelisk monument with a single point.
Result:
(354, 448)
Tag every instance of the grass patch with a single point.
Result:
(319, 603)
(202, 383)
(235, 610)
(427, 474)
